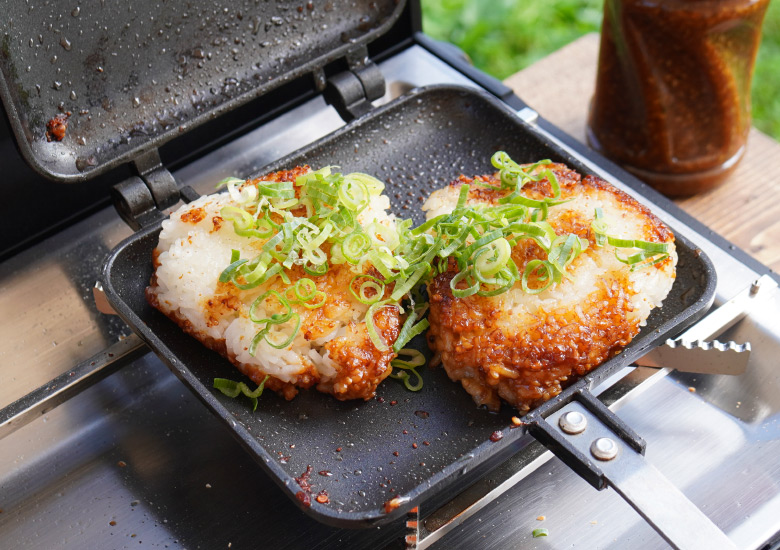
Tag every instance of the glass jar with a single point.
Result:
(672, 100)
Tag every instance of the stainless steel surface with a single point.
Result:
(731, 312)
(53, 323)
(39, 402)
(657, 500)
(719, 444)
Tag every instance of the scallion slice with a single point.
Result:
(231, 388)
(370, 284)
(405, 368)
(376, 339)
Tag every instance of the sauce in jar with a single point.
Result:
(672, 101)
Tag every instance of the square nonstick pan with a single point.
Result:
(419, 446)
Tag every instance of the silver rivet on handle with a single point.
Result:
(573, 422)
(604, 448)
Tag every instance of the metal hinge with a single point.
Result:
(351, 92)
(140, 200)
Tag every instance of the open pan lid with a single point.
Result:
(133, 75)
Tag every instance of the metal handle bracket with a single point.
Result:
(140, 200)
(351, 92)
(621, 466)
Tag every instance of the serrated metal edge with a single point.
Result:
(709, 345)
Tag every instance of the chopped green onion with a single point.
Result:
(286, 342)
(354, 246)
(316, 270)
(649, 253)
(492, 258)
(319, 300)
(540, 532)
(231, 388)
(376, 339)
(353, 194)
(275, 318)
(372, 284)
(408, 367)
(544, 273)
(305, 289)
(469, 290)
(409, 330)
(235, 262)
(477, 240)
(374, 186)
(463, 195)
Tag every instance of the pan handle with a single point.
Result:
(604, 451)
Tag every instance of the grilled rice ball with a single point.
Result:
(332, 349)
(525, 348)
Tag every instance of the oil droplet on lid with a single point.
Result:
(65, 43)
(76, 11)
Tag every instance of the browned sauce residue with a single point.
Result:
(392, 504)
(304, 495)
(56, 128)
(193, 215)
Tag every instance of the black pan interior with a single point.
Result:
(417, 445)
(133, 75)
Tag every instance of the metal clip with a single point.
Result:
(711, 357)
(693, 351)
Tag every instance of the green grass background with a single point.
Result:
(503, 36)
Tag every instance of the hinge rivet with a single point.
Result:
(604, 448)
(573, 422)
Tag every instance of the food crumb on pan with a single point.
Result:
(208, 485)
(56, 128)
(498, 435)
(304, 496)
(540, 518)
(691, 389)
(393, 503)
(121, 463)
